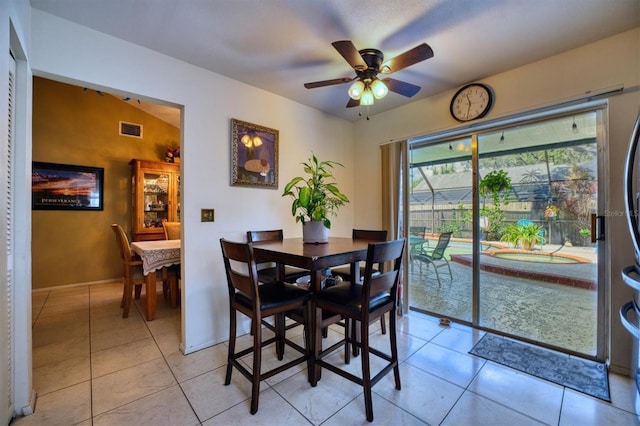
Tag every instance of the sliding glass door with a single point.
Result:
(518, 203)
(441, 201)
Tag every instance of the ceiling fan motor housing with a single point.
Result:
(373, 58)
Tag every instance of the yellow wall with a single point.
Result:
(78, 127)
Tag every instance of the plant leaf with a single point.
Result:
(291, 184)
(304, 196)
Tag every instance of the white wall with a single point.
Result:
(606, 63)
(64, 51)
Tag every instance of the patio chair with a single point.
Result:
(436, 257)
(524, 222)
(417, 241)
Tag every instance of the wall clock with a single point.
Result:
(471, 102)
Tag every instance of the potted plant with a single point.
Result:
(315, 198)
(526, 236)
(495, 185)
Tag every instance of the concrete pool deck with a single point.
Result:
(559, 315)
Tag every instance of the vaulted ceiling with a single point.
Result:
(278, 45)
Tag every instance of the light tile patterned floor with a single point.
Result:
(90, 366)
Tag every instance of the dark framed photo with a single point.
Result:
(254, 155)
(66, 187)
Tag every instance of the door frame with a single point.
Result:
(472, 131)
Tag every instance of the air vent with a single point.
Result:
(131, 129)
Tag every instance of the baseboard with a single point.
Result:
(67, 286)
(205, 345)
(29, 409)
(623, 371)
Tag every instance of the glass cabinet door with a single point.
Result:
(177, 198)
(156, 199)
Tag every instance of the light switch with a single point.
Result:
(207, 215)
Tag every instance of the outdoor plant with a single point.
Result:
(585, 233)
(525, 236)
(551, 212)
(459, 218)
(495, 185)
(315, 197)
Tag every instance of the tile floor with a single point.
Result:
(90, 366)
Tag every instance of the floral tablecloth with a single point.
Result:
(157, 254)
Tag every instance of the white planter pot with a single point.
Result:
(315, 233)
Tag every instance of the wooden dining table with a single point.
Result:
(315, 258)
(156, 255)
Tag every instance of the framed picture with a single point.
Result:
(254, 155)
(66, 187)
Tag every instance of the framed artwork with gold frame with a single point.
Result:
(254, 155)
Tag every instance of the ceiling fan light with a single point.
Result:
(379, 89)
(367, 98)
(356, 89)
(246, 140)
(257, 141)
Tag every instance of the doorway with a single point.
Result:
(519, 201)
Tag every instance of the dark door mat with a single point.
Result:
(579, 374)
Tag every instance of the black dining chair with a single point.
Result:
(266, 271)
(258, 302)
(344, 272)
(363, 303)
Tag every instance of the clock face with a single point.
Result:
(471, 102)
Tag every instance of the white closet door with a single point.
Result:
(6, 258)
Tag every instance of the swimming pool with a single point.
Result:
(463, 246)
(539, 257)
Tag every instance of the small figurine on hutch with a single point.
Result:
(173, 155)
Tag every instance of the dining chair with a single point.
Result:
(132, 265)
(363, 303)
(345, 271)
(269, 273)
(266, 271)
(436, 257)
(365, 235)
(172, 274)
(257, 302)
(171, 230)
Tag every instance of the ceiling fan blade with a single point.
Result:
(401, 87)
(353, 103)
(413, 56)
(328, 82)
(350, 54)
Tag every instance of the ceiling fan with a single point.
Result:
(368, 63)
